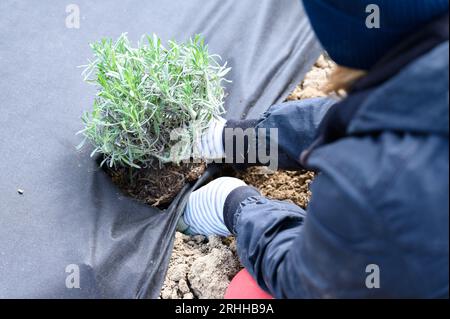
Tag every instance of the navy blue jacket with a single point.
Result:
(381, 197)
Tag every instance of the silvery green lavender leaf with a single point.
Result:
(147, 92)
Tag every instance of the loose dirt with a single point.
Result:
(200, 267)
(203, 267)
(282, 185)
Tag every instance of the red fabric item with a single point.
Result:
(243, 286)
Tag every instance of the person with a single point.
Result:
(377, 223)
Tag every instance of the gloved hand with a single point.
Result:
(204, 211)
(209, 146)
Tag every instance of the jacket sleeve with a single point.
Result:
(321, 253)
(288, 128)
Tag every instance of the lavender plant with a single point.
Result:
(146, 93)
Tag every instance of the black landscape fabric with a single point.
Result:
(65, 230)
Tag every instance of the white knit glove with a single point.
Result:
(209, 146)
(204, 211)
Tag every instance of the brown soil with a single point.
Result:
(201, 267)
(155, 186)
(315, 80)
(282, 185)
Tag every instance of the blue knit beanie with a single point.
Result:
(341, 26)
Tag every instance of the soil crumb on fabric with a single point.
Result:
(203, 269)
(155, 186)
(200, 267)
